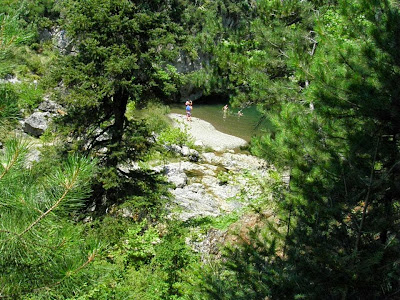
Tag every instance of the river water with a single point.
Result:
(244, 126)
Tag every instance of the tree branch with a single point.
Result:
(366, 202)
(11, 164)
(68, 187)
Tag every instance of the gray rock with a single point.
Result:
(32, 156)
(50, 106)
(237, 162)
(37, 123)
(202, 194)
(211, 158)
(209, 243)
(174, 148)
(179, 180)
(175, 175)
(10, 79)
(194, 155)
(45, 35)
(126, 213)
(61, 41)
(185, 151)
(193, 201)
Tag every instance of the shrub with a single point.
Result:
(8, 103)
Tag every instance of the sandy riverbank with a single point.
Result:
(206, 133)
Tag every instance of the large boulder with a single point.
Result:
(37, 123)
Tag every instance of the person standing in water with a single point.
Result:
(225, 110)
(189, 107)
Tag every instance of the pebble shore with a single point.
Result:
(205, 133)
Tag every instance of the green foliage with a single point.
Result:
(12, 32)
(250, 59)
(341, 209)
(174, 258)
(223, 177)
(41, 246)
(40, 13)
(123, 51)
(137, 245)
(251, 272)
(154, 114)
(8, 103)
(29, 95)
(173, 136)
(324, 73)
(222, 222)
(145, 262)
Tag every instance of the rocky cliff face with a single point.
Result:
(185, 64)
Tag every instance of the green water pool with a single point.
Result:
(244, 126)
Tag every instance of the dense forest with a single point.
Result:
(325, 77)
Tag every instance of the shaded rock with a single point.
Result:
(10, 79)
(209, 245)
(173, 148)
(37, 123)
(50, 106)
(45, 35)
(194, 155)
(61, 41)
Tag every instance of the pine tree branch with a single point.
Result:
(91, 257)
(68, 188)
(7, 231)
(11, 163)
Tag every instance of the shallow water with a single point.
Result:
(244, 126)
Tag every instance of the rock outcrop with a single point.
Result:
(215, 185)
(37, 123)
